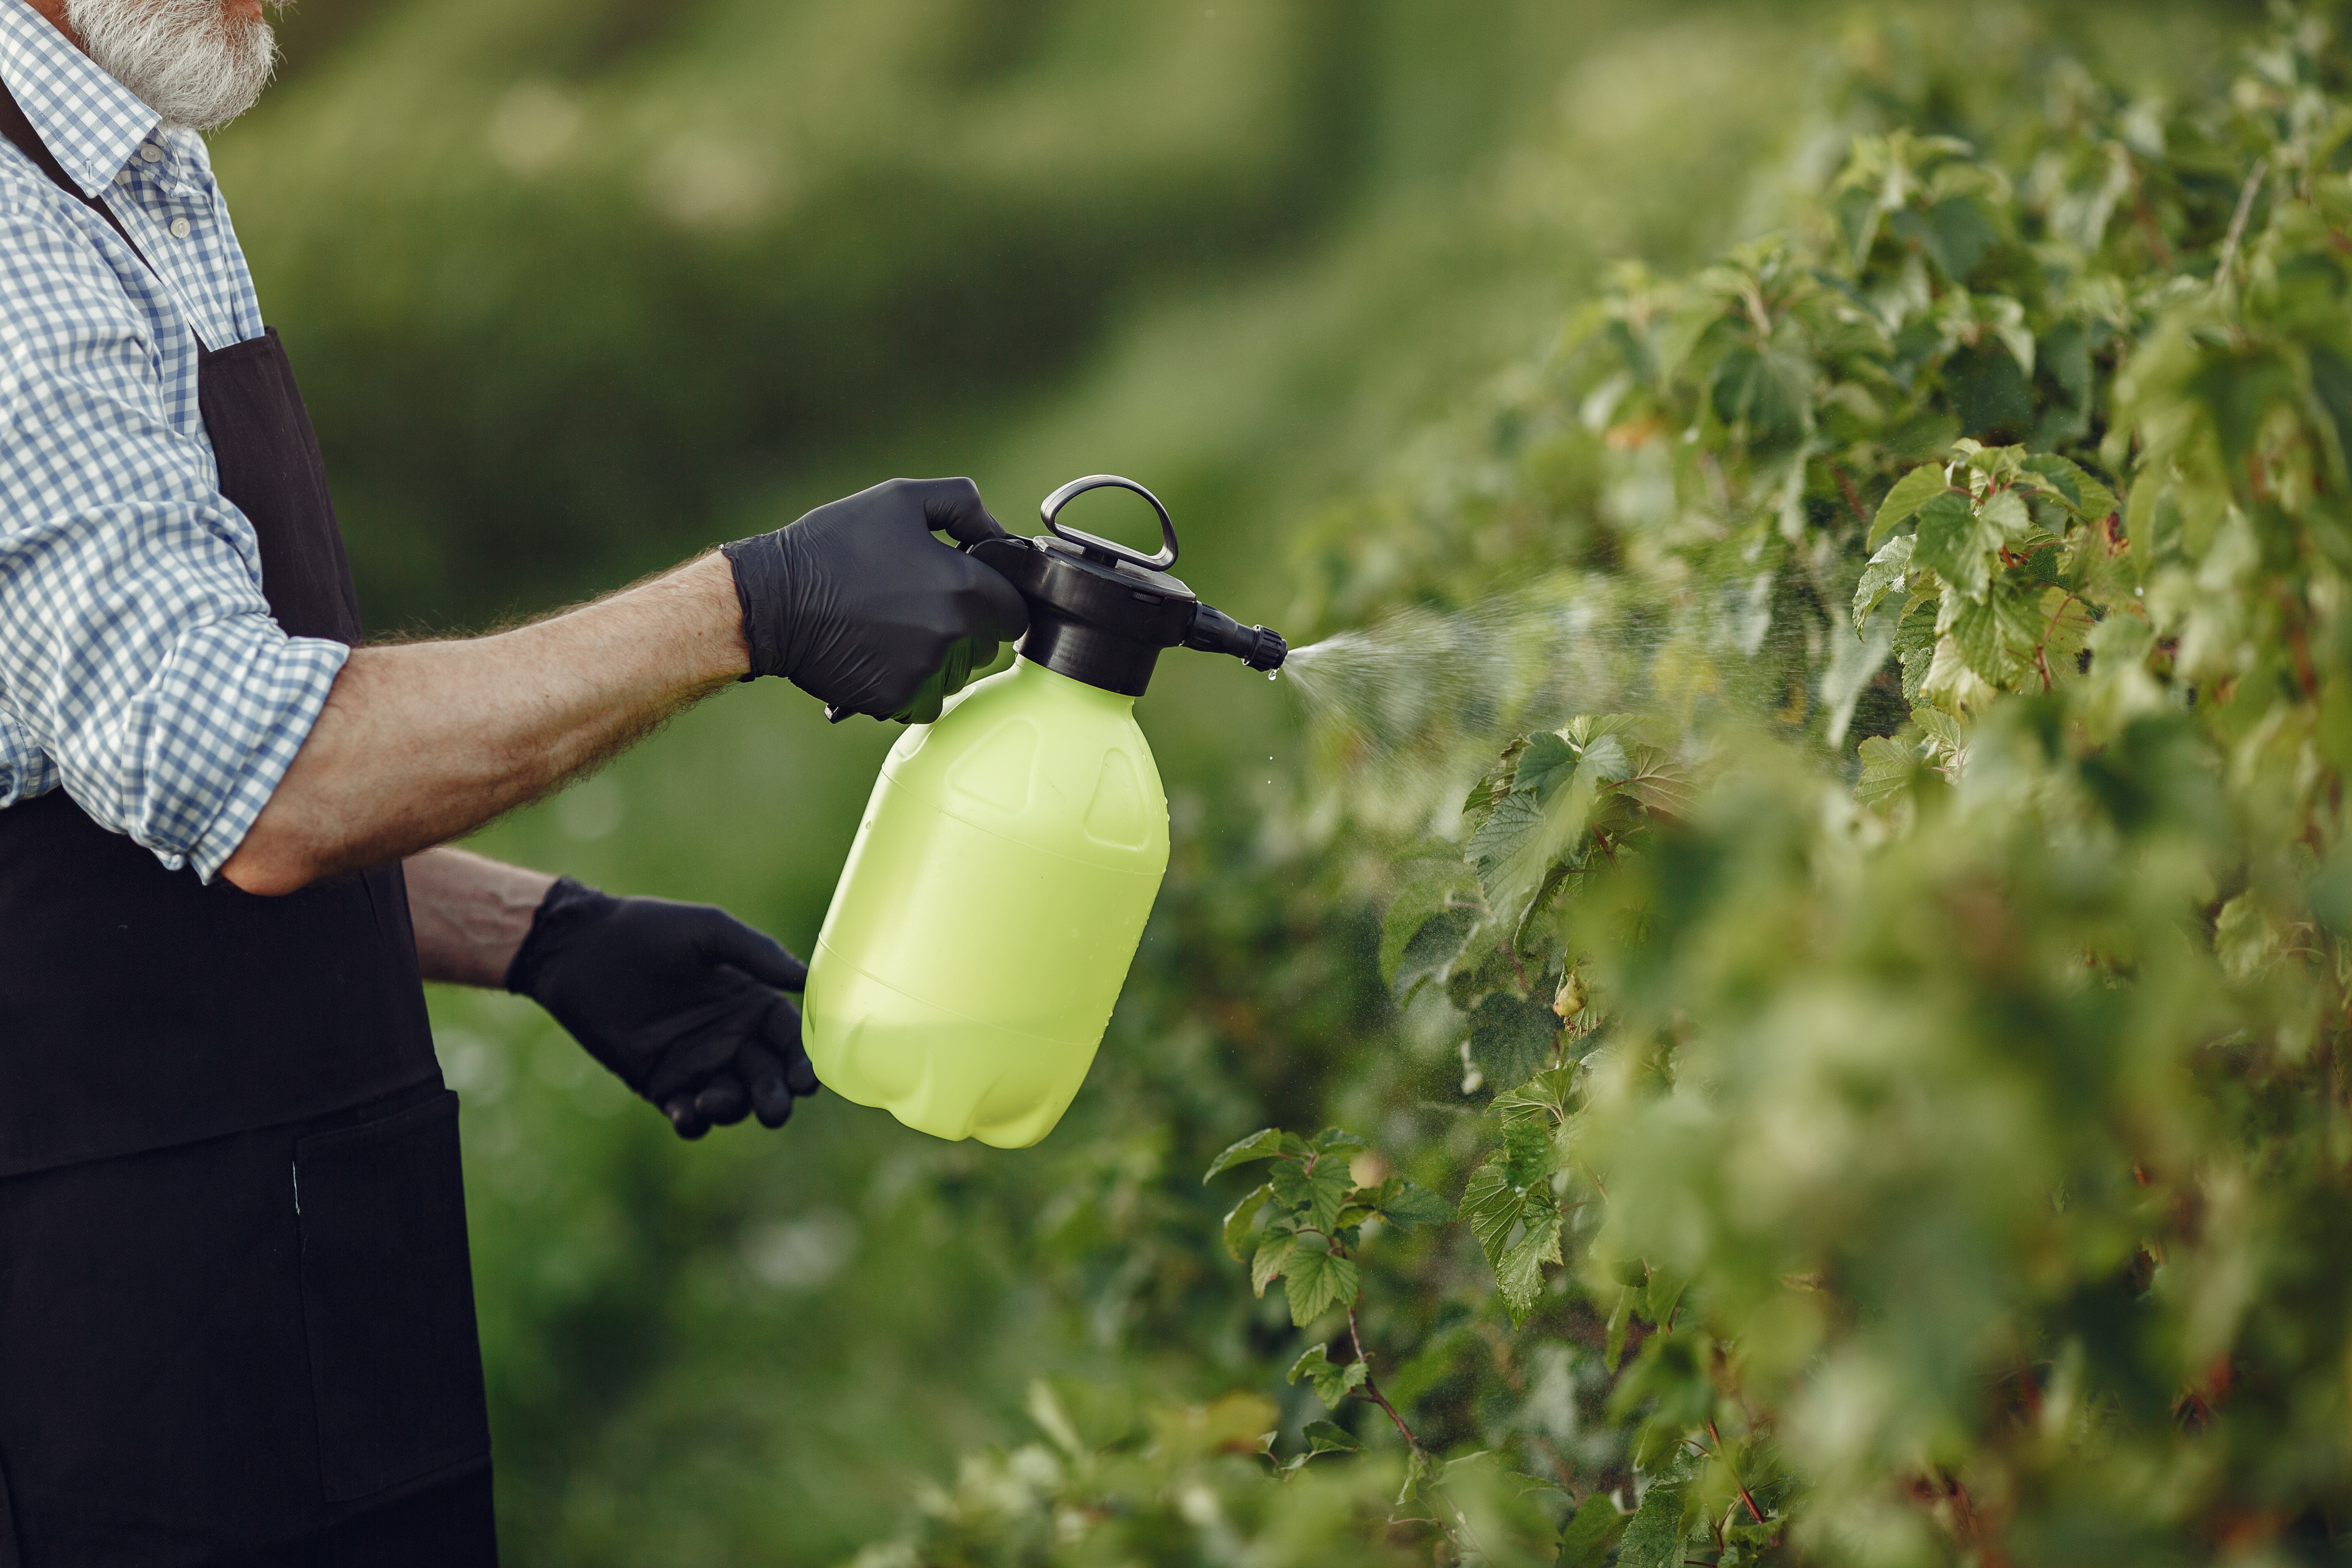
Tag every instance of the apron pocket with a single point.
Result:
(388, 1301)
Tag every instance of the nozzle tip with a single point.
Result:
(1213, 631)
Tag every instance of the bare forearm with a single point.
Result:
(471, 914)
(422, 742)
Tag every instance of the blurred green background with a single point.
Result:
(577, 289)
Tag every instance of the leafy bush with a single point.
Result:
(1900, 1116)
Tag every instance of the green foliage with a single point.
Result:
(1313, 1212)
(1901, 1116)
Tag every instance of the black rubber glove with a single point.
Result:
(683, 1002)
(859, 606)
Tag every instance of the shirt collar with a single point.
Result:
(91, 123)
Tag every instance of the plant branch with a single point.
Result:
(1371, 1389)
(2246, 195)
(1851, 499)
(1753, 1512)
(2147, 224)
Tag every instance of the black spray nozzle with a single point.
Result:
(1213, 631)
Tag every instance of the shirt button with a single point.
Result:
(121, 176)
(149, 151)
(179, 228)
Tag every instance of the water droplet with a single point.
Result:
(1273, 673)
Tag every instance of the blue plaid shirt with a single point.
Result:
(139, 669)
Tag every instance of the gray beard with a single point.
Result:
(185, 59)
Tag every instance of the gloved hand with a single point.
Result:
(859, 606)
(683, 1002)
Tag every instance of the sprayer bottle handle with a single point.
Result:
(1110, 550)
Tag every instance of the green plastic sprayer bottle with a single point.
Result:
(1008, 859)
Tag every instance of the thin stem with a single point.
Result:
(2041, 648)
(2149, 227)
(2297, 643)
(1851, 499)
(1371, 1388)
(2237, 220)
(1754, 1512)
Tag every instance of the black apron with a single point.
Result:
(235, 1303)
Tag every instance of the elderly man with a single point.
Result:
(235, 1322)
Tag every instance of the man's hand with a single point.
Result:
(683, 1002)
(858, 605)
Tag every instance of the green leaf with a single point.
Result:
(1548, 763)
(1432, 887)
(1547, 1097)
(1329, 1437)
(1953, 234)
(1404, 1204)
(1317, 1282)
(1332, 1139)
(1493, 785)
(1664, 1293)
(1942, 731)
(1671, 1380)
(1317, 1194)
(1912, 492)
(2061, 475)
(1273, 1257)
(1241, 1219)
(1334, 1380)
(1526, 1151)
(1518, 1228)
(1586, 1541)
(1653, 1539)
(1954, 544)
(1883, 575)
(1419, 1468)
(2099, 504)
(1996, 634)
(1962, 232)
(1604, 759)
(1511, 1037)
(1264, 1144)
(1516, 846)
(1431, 951)
(1914, 645)
(1887, 768)
(1620, 1325)
(1770, 390)
(2066, 628)
(2005, 511)
(1976, 632)
(1516, 820)
(1519, 1275)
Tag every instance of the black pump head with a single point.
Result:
(1100, 613)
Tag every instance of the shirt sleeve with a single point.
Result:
(137, 654)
